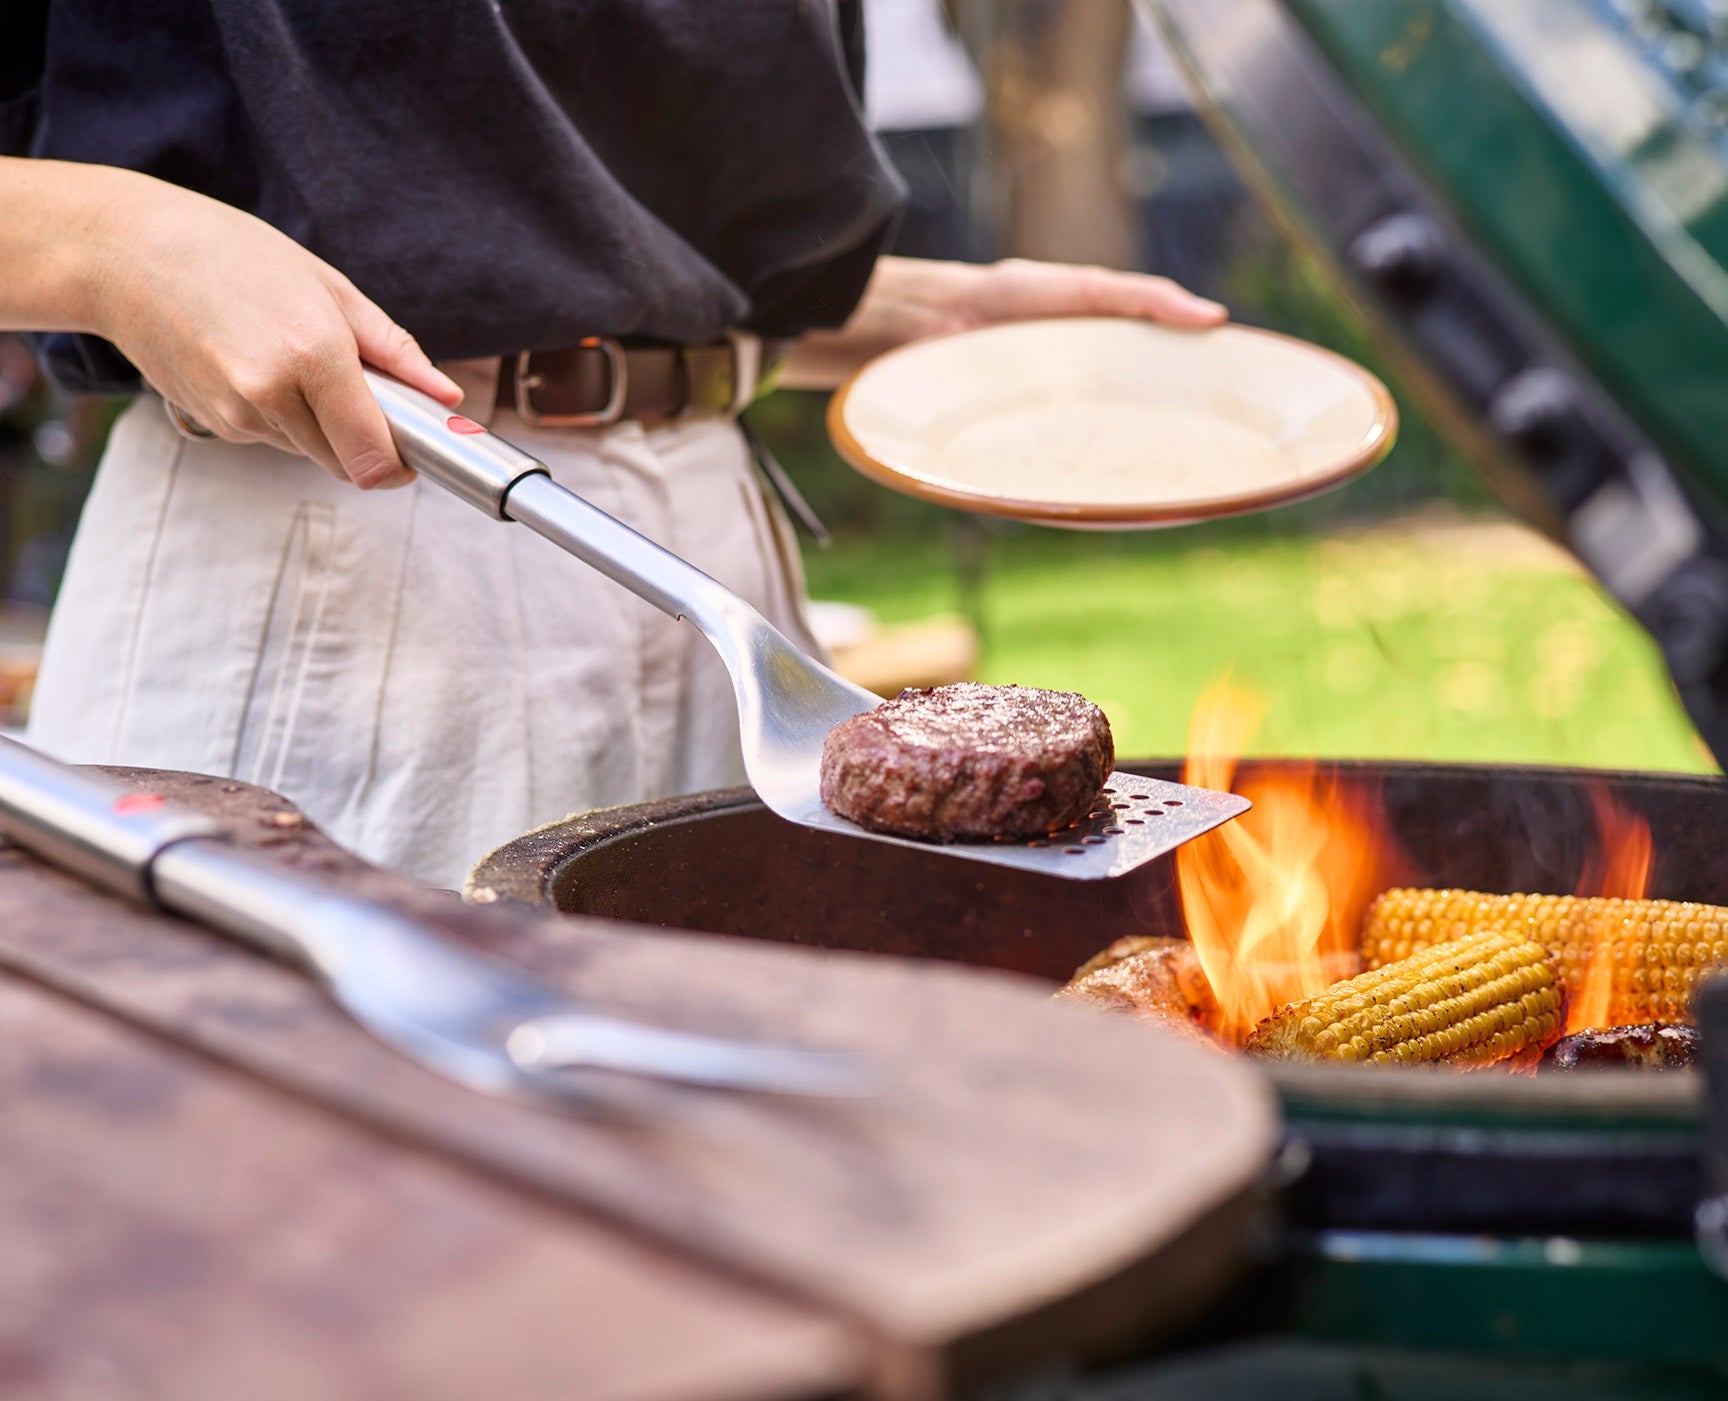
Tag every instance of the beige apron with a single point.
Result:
(422, 683)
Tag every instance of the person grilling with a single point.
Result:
(597, 225)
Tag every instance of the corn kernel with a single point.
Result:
(1641, 940)
(1470, 1001)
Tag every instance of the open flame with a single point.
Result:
(1274, 900)
(1619, 867)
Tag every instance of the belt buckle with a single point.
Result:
(527, 382)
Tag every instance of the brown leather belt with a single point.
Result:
(602, 381)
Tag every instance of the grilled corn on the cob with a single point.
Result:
(1469, 1002)
(1656, 950)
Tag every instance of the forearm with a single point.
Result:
(904, 301)
(59, 223)
(252, 335)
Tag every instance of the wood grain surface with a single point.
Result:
(1037, 1181)
(175, 1230)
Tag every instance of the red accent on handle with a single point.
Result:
(457, 424)
(139, 802)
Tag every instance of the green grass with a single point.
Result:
(1451, 641)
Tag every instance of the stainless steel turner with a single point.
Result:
(787, 701)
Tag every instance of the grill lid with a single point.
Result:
(1532, 201)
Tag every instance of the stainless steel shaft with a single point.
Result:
(503, 481)
(788, 702)
(94, 829)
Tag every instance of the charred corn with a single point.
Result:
(1472, 1001)
(1653, 951)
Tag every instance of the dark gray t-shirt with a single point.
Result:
(499, 175)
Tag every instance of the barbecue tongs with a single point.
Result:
(478, 1020)
(787, 701)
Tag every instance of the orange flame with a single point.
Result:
(1620, 867)
(1274, 900)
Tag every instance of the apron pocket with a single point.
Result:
(287, 645)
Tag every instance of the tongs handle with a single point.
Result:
(133, 843)
(97, 830)
(449, 1007)
(508, 484)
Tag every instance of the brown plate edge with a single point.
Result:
(1381, 435)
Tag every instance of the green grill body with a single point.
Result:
(1529, 199)
(1587, 166)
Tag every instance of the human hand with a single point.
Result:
(911, 298)
(938, 298)
(249, 334)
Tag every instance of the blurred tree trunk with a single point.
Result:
(1056, 124)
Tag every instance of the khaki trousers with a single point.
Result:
(423, 683)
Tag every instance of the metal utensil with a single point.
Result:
(475, 1019)
(787, 701)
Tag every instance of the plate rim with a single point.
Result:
(1382, 433)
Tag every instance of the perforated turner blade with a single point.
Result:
(787, 701)
(1134, 820)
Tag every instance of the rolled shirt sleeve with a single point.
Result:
(23, 47)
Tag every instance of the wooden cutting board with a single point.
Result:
(1038, 1181)
(177, 1229)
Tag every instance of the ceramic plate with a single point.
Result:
(1112, 424)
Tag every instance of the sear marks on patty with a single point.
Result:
(969, 761)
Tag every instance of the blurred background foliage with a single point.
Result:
(1403, 615)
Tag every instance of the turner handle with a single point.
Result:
(508, 484)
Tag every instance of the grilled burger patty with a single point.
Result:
(969, 761)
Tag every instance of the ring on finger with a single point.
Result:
(184, 424)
